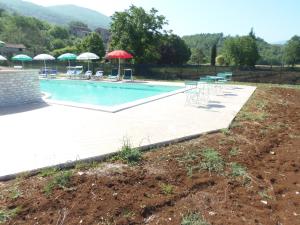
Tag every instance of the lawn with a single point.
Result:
(248, 174)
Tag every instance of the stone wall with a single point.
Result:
(19, 87)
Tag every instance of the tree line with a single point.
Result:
(142, 33)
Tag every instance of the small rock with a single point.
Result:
(93, 184)
(264, 202)
(295, 214)
(297, 192)
(170, 218)
(212, 213)
(272, 153)
(115, 194)
(80, 173)
(80, 221)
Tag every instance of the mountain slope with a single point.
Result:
(93, 18)
(61, 15)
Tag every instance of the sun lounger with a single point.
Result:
(88, 74)
(99, 75)
(53, 73)
(128, 74)
(114, 74)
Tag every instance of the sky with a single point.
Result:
(272, 20)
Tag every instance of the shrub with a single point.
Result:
(129, 154)
(6, 215)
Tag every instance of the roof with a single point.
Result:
(7, 45)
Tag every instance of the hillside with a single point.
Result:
(61, 15)
(269, 53)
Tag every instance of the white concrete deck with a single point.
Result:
(48, 135)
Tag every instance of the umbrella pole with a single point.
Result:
(22, 65)
(88, 65)
(119, 68)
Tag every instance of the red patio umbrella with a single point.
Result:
(119, 54)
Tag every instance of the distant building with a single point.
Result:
(12, 49)
(80, 31)
(104, 34)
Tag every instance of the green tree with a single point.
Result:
(241, 51)
(59, 32)
(68, 49)
(213, 55)
(138, 32)
(173, 50)
(292, 51)
(93, 43)
(197, 56)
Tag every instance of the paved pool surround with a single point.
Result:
(19, 87)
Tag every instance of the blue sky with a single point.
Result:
(273, 20)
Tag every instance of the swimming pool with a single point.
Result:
(102, 93)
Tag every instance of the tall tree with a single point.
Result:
(213, 55)
(292, 51)
(197, 56)
(93, 43)
(138, 32)
(173, 50)
(241, 51)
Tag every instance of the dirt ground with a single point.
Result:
(172, 182)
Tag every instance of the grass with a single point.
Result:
(48, 172)
(6, 215)
(193, 219)
(128, 154)
(167, 189)
(61, 180)
(212, 161)
(252, 116)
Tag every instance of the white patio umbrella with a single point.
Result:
(2, 58)
(87, 56)
(44, 57)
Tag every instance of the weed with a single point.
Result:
(15, 192)
(264, 194)
(128, 154)
(234, 152)
(61, 180)
(212, 161)
(225, 131)
(127, 213)
(238, 170)
(190, 171)
(47, 172)
(167, 189)
(261, 104)
(193, 219)
(6, 215)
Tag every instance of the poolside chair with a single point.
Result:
(128, 74)
(53, 73)
(88, 74)
(99, 75)
(78, 71)
(44, 72)
(114, 75)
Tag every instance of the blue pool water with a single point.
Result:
(101, 93)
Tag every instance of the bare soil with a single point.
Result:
(264, 139)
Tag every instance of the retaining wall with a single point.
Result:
(19, 87)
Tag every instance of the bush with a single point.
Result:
(129, 154)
